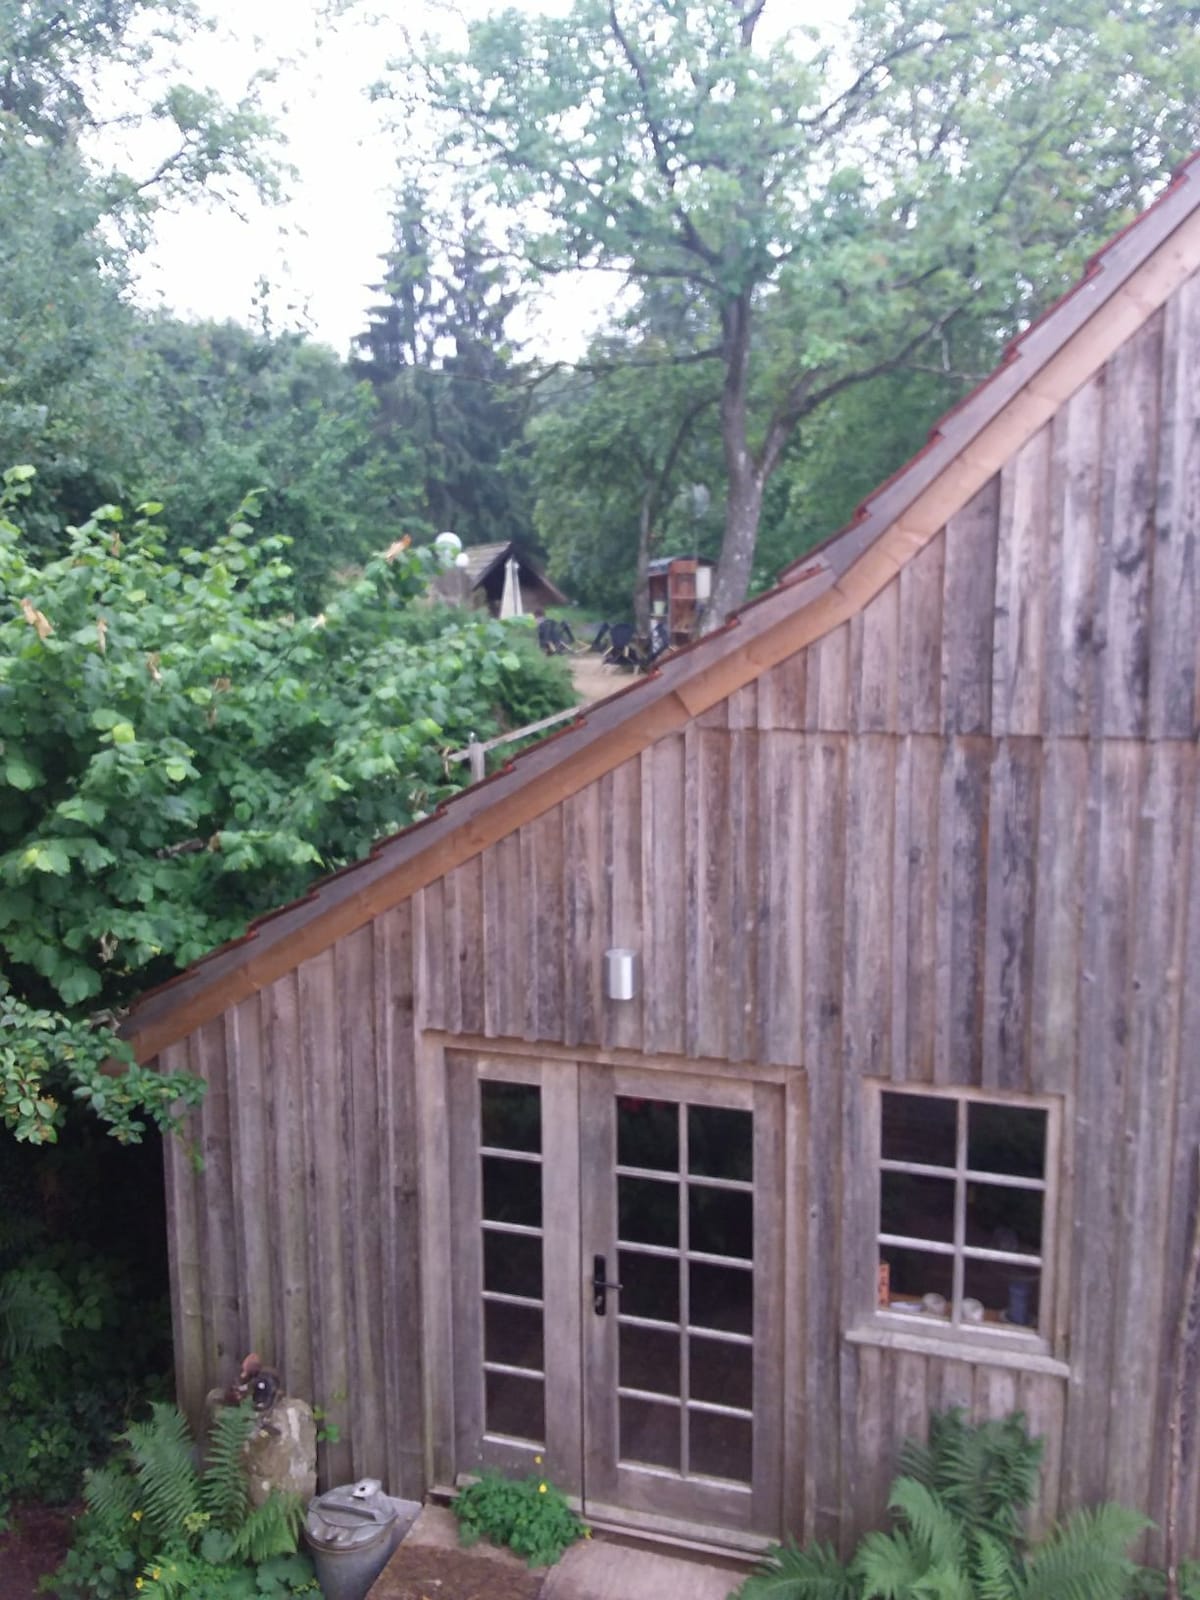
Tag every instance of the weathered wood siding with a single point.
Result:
(298, 1235)
(954, 842)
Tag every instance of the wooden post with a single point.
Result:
(476, 756)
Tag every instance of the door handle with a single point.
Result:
(601, 1284)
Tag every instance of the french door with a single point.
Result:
(616, 1256)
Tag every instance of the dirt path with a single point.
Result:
(595, 681)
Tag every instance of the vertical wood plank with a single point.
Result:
(1072, 633)
(710, 846)
(285, 1087)
(875, 649)
(401, 1299)
(1058, 916)
(621, 820)
(746, 908)
(781, 893)
(962, 880)
(363, 1183)
(1128, 482)
(828, 682)
(219, 1240)
(581, 916)
(470, 956)
(330, 1216)
(254, 1202)
(914, 909)
(1155, 954)
(1019, 644)
(824, 938)
(542, 846)
(782, 692)
(871, 789)
(969, 613)
(664, 866)
(919, 690)
(1011, 883)
(1115, 784)
(1175, 597)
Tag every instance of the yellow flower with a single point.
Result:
(537, 1461)
(138, 1583)
(155, 1573)
(541, 1488)
(136, 1515)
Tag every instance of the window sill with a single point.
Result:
(957, 1344)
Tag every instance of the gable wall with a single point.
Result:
(953, 842)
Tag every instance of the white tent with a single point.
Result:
(510, 601)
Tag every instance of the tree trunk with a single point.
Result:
(641, 592)
(743, 511)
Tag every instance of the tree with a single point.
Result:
(180, 751)
(437, 353)
(620, 471)
(833, 216)
(234, 411)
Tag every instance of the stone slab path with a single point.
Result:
(430, 1565)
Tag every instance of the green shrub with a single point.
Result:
(959, 1507)
(530, 1516)
(157, 1528)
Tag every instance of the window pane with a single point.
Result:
(512, 1335)
(1004, 1219)
(920, 1128)
(721, 1221)
(1006, 1139)
(720, 1447)
(512, 1191)
(648, 1211)
(721, 1373)
(919, 1208)
(722, 1298)
(516, 1406)
(511, 1114)
(648, 1134)
(649, 1286)
(512, 1264)
(918, 1281)
(650, 1433)
(720, 1142)
(1005, 1293)
(649, 1360)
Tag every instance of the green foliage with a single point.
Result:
(179, 751)
(530, 1516)
(959, 1507)
(81, 1335)
(823, 215)
(158, 1527)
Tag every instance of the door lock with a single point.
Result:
(601, 1284)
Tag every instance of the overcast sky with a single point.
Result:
(320, 251)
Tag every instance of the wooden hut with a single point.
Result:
(903, 1110)
(482, 578)
(679, 588)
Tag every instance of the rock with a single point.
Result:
(281, 1453)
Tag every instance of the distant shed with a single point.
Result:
(483, 576)
(905, 1108)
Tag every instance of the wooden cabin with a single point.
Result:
(900, 872)
(481, 581)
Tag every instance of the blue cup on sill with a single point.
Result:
(1020, 1302)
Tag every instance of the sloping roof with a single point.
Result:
(483, 559)
(1122, 286)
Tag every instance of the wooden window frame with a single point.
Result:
(979, 1341)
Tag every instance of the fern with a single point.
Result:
(934, 1526)
(112, 1493)
(29, 1323)
(790, 1573)
(162, 1455)
(986, 1473)
(223, 1487)
(1085, 1559)
(993, 1563)
(271, 1529)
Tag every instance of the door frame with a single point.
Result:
(439, 1111)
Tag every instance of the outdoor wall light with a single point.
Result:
(620, 974)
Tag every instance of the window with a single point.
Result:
(963, 1211)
